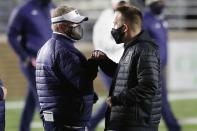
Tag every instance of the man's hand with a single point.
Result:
(5, 92)
(30, 61)
(98, 55)
(108, 101)
(33, 62)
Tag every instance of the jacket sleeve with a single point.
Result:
(92, 67)
(148, 75)
(15, 33)
(72, 70)
(1, 91)
(108, 66)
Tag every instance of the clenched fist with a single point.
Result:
(98, 55)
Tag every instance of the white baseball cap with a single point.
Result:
(148, 2)
(72, 16)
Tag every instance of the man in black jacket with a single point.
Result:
(134, 102)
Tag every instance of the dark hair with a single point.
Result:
(131, 14)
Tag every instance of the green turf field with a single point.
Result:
(184, 109)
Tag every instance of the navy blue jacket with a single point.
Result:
(64, 81)
(29, 28)
(157, 29)
(1, 91)
(2, 108)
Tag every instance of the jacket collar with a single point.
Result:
(142, 36)
(63, 37)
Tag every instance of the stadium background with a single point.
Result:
(182, 68)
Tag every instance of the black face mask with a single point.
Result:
(44, 2)
(157, 8)
(118, 34)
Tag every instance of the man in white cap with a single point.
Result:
(64, 78)
(103, 41)
(156, 25)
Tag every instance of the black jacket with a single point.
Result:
(135, 90)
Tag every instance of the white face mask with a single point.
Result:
(76, 32)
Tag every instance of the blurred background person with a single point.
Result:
(3, 94)
(28, 29)
(102, 40)
(155, 24)
(140, 4)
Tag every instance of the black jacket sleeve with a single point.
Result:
(92, 67)
(148, 75)
(108, 66)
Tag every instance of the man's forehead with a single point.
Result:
(117, 15)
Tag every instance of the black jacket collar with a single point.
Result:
(142, 36)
